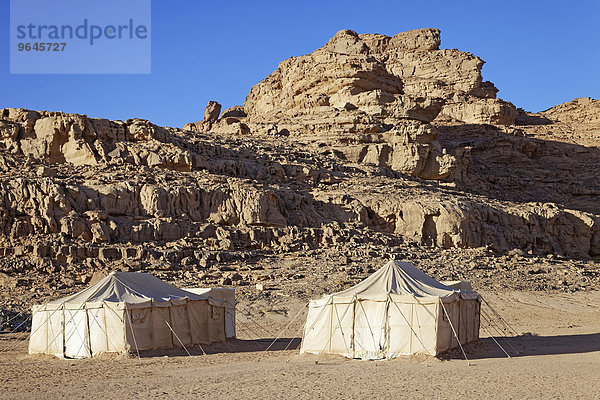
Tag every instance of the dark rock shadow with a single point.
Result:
(521, 169)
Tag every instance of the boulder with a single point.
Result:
(212, 111)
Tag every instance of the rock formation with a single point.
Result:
(368, 142)
(212, 111)
(375, 96)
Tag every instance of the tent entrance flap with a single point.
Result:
(369, 329)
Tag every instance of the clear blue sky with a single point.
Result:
(538, 53)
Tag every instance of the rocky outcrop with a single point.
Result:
(538, 227)
(584, 110)
(481, 111)
(146, 202)
(229, 123)
(574, 122)
(369, 145)
(212, 111)
(367, 87)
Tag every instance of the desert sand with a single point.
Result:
(558, 342)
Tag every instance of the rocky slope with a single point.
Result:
(368, 147)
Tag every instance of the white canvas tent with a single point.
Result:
(125, 311)
(227, 296)
(399, 310)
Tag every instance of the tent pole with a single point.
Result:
(330, 327)
(105, 324)
(412, 325)
(454, 331)
(176, 336)
(132, 333)
(354, 301)
(340, 325)
(187, 314)
(387, 338)
(64, 331)
(87, 317)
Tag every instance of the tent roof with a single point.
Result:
(400, 278)
(130, 288)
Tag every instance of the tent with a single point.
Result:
(125, 311)
(458, 285)
(398, 310)
(227, 295)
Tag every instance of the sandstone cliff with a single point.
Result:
(369, 145)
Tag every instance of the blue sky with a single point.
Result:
(538, 53)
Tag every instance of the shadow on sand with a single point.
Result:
(515, 346)
(229, 346)
(528, 345)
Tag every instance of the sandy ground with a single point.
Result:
(558, 339)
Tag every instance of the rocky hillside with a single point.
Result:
(368, 147)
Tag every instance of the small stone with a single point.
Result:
(225, 281)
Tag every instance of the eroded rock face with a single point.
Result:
(371, 94)
(583, 110)
(337, 160)
(404, 76)
(373, 84)
(482, 111)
